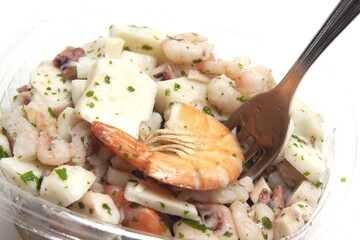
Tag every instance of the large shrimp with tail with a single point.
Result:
(193, 151)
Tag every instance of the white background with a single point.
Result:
(290, 23)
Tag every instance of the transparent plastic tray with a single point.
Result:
(42, 40)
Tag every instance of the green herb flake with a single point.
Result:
(90, 93)
(162, 205)
(186, 212)
(177, 87)
(63, 115)
(197, 60)
(207, 110)
(343, 179)
(106, 207)
(81, 205)
(3, 153)
(266, 223)
(107, 79)
(307, 173)
(181, 235)
(62, 173)
(91, 211)
(194, 224)
(91, 105)
(227, 234)
(131, 89)
(51, 112)
(28, 177)
(319, 184)
(133, 205)
(242, 99)
(167, 91)
(147, 47)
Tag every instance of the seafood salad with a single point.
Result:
(127, 130)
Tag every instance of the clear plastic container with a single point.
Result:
(38, 219)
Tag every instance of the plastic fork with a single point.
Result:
(262, 121)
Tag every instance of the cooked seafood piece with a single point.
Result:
(194, 150)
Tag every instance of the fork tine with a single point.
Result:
(260, 166)
(251, 151)
(242, 136)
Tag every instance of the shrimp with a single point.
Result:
(246, 228)
(22, 135)
(194, 151)
(51, 149)
(249, 80)
(223, 94)
(137, 216)
(188, 48)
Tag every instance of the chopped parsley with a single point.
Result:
(227, 234)
(194, 224)
(28, 177)
(147, 47)
(177, 86)
(62, 173)
(242, 99)
(266, 223)
(343, 179)
(90, 93)
(3, 153)
(51, 112)
(133, 205)
(167, 91)
(207, 110)
(162, 205)
(197, 60)
(131, 89)
(107, 79)
(307, 173)
(106, 207)
(81, 205)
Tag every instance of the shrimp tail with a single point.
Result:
(122, 144)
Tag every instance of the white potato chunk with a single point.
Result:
(139, 39)
(25, 175)
(287, 222)
(145, 63)
(78, 87)
(48, 85)
(83, 66)
(117, 94)
(184, 90)
(109, 47)
(99, 206)
(66, 184)
(230, 194)
(159, 200)
(306, 192)
(66, 121)
(183, 229)
(305, 158)
(117, 177)
(307, 122)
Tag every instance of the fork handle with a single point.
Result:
(338, 20)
